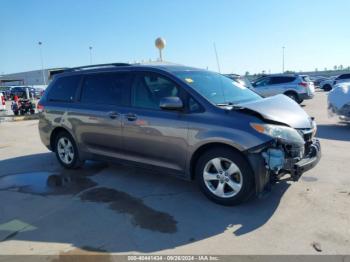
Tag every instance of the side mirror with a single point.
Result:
(171, 103)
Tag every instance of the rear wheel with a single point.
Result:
(327, 87)
(293, 96)
(66, 151)
(225, 176)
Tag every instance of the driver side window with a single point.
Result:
(149, 88)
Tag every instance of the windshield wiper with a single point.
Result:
(230, 104)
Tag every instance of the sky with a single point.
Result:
(248, 34)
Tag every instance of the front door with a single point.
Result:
(152, 135)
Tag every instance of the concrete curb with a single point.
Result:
(18, 118)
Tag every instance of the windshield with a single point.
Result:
(217, 88)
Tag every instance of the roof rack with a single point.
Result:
(95, 66)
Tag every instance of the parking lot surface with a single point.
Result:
(118, 209)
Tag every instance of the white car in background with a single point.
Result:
(339, 101)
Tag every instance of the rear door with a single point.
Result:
(97, 117)
(261, 86)
(280, 84)
(152, 135)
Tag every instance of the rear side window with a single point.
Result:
(281, 80)
(64, 89)
(106, 89)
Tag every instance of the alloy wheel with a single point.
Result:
(222, 177)
(65, 150)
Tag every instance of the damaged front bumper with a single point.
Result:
(272, 161)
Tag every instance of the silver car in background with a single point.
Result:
(330, 83)
(339, 101)
(297, 87)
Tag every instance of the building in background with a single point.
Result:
(29, 78)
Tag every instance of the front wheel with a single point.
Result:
(225, 176)
(66, 151)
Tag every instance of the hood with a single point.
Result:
(280, 108)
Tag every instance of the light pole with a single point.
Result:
(283, 58)
(217, 57)
(90, 50)
(42, 61)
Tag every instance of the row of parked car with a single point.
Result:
(328, 84)
(300, 87)
(296, 87)
(9, 92)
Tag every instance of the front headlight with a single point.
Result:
(284, 133)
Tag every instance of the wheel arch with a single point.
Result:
(54, 133)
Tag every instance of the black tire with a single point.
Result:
(32, 111)
(22, 113)
(247, 186)
(293, 96)
(15, 112)
(327, 87)
(75, 162)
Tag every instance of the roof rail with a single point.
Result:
(96, 66)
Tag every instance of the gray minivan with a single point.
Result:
(192, 123)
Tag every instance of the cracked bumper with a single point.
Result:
(263, 176)
(308, 162)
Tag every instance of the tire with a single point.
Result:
(16, 113)
(66, 151)
(233, 184)
(293, 96)
(32, 112)
(327, 87)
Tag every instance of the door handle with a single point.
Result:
(131, 117)
(113, 114)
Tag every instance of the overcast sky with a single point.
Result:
(249, 35)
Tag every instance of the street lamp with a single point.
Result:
(283, 58)
(90, 50)
(42, 61)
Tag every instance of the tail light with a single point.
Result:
(304, 84)
(40, 107)
(3, 100)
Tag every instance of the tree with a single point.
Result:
(335, 67)
(340, 67)
(325, 69)
(247, 73)
(316, 69)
